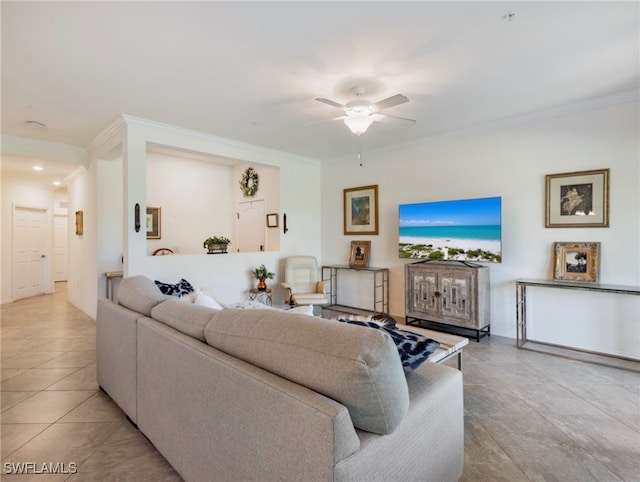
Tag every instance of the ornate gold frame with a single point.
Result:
(576, 261)
(359, 255)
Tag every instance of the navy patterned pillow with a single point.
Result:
(412, 348)
(183, 287)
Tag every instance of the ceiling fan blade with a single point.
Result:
(329, 102)
(389, 102)
(386, 117)
(323, 121)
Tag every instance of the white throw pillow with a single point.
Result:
(204, 300)
(302, 310)
(189, 297)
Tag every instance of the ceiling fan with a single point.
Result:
(360, 113)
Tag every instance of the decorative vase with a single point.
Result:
(262, 285)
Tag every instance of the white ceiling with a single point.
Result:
(250, 71)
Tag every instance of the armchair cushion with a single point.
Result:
(301, 279)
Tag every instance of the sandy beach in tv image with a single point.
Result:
(464, 230)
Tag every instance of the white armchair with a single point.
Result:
(302, 282)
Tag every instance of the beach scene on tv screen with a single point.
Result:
(463, 230)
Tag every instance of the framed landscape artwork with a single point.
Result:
(577, 199)
(153, 223)
(576, 261)
(361, 210)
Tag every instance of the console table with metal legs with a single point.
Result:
(524, 342)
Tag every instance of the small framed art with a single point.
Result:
(359, 255)
(79, 223)
(272, 220)
(153, 223)
(577, 199)
(361, 210)
(576, 261)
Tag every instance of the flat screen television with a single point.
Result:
(463, 230)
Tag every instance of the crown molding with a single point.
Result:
(23, 146)
(108, 138)
(536, 116)
(234, 147)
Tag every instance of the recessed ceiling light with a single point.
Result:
(56, 183)
(37, 168)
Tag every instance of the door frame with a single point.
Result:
(47, 273)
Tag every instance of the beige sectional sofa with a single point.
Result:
(266, 395)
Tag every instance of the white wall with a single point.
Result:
(24, 193)
(512, 163)
(227, 275)
(82, 280)
(195, 200)
(198, 199)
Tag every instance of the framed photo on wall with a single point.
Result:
(359, 255)
(576, 261)
(272, 220)
(153, 223)
(577, 199)
(79, 223)
(361, 210)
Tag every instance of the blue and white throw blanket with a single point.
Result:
(412, 347)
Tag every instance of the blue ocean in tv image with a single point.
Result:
(489, 232)
(463, 230)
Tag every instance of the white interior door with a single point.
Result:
(251, 225)
(60, 237)
(29, 252)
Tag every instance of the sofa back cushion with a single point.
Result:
(139, 293)
(354, 365)
(185, 317)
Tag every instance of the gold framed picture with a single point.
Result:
(79, 223)
(576, 261)
(153, 223)
(361, 210)
(577, 199)
(359, 255)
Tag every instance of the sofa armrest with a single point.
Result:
(322, 287)
(428, 444)
(287, 297)
(116, 354)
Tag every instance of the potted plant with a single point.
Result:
(216, 244)
(261, 273)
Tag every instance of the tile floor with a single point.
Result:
(528, 416)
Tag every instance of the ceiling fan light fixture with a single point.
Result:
(358, 123)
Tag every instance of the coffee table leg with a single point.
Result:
(460, 360)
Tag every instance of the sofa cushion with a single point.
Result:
(139, 293)
(357, 367)
(187, 318)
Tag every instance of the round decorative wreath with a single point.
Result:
(249, 182)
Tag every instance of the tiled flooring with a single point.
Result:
(528, 416)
